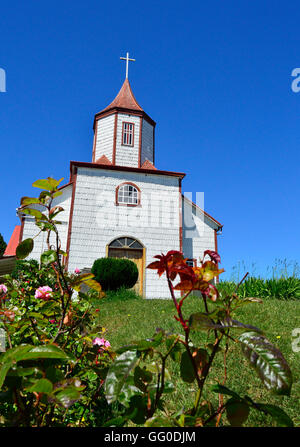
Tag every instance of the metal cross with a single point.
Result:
(127, 59)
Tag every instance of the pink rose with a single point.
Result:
(77, 270)
(3, 289)
(43, 292)
(101, 342)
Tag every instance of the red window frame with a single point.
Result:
(128, 204)
(127, 133)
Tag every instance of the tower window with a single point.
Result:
(128, 134)
(128, 194)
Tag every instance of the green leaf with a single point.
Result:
(201, 321)
(229, 323)
(23, 372)
(48, 257)
(176, 351)
(44, 226)
(68, 396)
(237, 412)
(187, 372)
(50, 184)
(24, 248)
(118, 374)
(41, 386)
(268, 361)
(29, 201)
(29, 352)
(32, 212)
(277, 414)
(159, 421)
(221, 389)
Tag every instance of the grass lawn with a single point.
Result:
(133, 319)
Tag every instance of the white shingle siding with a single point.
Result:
(198, 232)
(147, 142)
(105, 137)
(30, 229)
(128, 155)
(97, 220)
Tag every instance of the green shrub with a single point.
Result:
(25, 269)
(114, 273)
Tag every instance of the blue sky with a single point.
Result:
(215, 76)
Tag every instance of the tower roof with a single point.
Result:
(124, 100)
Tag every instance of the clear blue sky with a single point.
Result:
(215, 76)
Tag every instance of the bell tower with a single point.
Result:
(123, 132)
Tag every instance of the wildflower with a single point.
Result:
(52, 321)
(3, 289)
(278, 336)
(101, 342)
(77, 270)
(43, 292)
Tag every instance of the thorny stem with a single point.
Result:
(241, 281)
(205, 375)
(185, 327)
(161, 376)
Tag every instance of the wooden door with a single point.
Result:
(137, 257)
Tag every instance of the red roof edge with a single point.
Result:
(13, 242)
(124, 168)
(205, 213)
(148, 165)
(103, 161)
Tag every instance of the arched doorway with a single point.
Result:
(129, 248)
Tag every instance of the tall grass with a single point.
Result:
(280, 288)
(282, 268)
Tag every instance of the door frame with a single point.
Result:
(143, 268)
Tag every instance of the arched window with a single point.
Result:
(128, 194)
(126, 243)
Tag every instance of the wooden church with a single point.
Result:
(120, 204)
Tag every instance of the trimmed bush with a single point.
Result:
(114, 273)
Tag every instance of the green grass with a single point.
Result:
(283, 288)
(128, 318)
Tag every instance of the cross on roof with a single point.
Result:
(127, 59)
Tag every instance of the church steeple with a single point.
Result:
(123, 132)
(125, 99)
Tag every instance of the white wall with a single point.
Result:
(198, 232)
(105, 137)
(127, 155)
(97, 220)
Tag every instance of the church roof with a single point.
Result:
(148, 165)
(124, 100)
(145, 170)
(220, 226)
(13, 242)
(103, 161)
